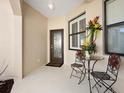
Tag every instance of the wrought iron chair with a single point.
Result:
(78, 68)
(5, 85)
(3, 68)
(108, 78)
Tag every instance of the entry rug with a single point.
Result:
(6, 86)
(54, 64)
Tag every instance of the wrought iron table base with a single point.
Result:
(89, 76)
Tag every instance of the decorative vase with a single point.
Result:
(87, 54)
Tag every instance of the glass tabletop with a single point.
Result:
(93, 57)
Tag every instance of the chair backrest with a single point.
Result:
(113, 65)
(78, 56)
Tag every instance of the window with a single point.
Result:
(77, 31)
(115, 38)
(114, 27)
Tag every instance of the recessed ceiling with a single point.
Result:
(62, 7)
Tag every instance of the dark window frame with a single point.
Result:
(106, 30)
(72, 34)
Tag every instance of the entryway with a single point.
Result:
(56, 48)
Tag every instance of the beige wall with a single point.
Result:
(93, 8)
(34, 39)
(17, 37)
(18, 46)
(16, 6)
(10, 39)
(6, 35)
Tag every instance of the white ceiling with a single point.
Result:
(62, 7)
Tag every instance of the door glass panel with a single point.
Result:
(57, 45)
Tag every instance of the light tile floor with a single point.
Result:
(51, 80)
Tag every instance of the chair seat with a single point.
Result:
(76, 65)
(100, 75)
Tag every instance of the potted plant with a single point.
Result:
(93, 28)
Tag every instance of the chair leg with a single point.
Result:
(109, 88)
(97, 89)
(71, 73)
(81, 79)
(97, 83)
(112, 90)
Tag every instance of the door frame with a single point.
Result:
(55, 30)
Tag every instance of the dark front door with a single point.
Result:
(56, 46)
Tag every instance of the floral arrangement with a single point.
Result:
(93, 28)
(79, 54)
(113, 61)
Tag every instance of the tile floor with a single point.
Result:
(51, 80)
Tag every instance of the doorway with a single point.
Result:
(56, 48)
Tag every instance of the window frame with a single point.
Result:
(70, 34)
(106, 27)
